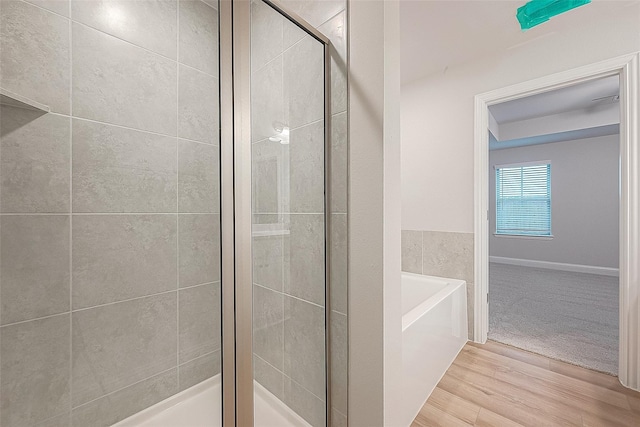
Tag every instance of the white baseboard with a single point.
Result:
(576, 268)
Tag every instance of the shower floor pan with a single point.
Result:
(200, 406)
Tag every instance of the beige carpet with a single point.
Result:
(568, 316)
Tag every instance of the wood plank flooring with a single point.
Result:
(500, 386)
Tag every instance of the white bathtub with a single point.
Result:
(434, 330)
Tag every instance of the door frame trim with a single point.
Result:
(627, 67)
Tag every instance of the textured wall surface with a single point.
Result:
(109, 281)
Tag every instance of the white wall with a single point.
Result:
(584, 203)
(375, 324)
(437, 115)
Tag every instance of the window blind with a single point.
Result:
(523, 200)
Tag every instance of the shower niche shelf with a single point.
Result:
(14, 100)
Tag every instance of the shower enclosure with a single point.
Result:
(172, 213)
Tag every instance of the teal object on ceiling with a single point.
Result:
(536, 12)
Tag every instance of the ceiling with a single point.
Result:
(576, 97)
(435, 35)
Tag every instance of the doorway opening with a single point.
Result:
(553, 223)
(626, 69)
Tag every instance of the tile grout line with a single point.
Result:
(178, 3)
(72, 21)
(49, 316)
(101, 122)
(289, 295)
(70, 215)
(125, 387)
(289, 377)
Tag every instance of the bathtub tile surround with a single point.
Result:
(109, 223)
(412, 251)
(442, 254)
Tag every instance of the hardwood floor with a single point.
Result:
(500, 386)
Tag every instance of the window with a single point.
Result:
(523, 199)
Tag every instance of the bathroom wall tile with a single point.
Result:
(34, 371)
(338, 85)
(199, 324)
(198, 116)
(63, 420)
(267, 261)
(270, 219)
(339, 272)
(304, 83)
(198, 177)
(199, 249)
(34, 59)
(292, 34)
(266, 34)
(448, 255)
(117, 257)
(306, 177)
(339, 362)
(270, 177)
(339, 165)
(335, 30)
(304, 258)
(304, 350)
(267, 101)
(304, 403)
(470, 307)
(268, 377)
(58, 6)
(197, 370)
(149, 24)
(268, 319)
(121, 404)
(117, 345)
(34, 266)
(338, 419)
(122, 170)
(116, 82)
(212, 3)
(34, 161)
(412, 251)
(198, 36)
(315, 12)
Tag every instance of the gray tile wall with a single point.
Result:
(289, 300)
(442, 254)
(109, 212)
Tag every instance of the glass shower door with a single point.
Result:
(288, 134)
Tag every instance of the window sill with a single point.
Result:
(517, 236)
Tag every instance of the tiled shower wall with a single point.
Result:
(442, 254)
(109, 238)
(289, 306)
